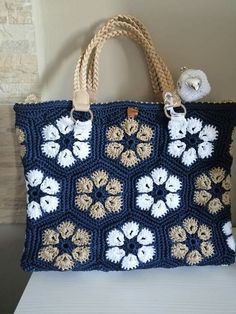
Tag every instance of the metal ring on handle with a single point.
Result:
(171, 101)
(170, 108)
(72, 117)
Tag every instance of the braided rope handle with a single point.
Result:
(86, 72)
(129, 22)
(92, 75)
(133, 34)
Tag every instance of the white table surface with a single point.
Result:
(182, 290)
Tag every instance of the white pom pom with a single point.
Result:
(193, 85)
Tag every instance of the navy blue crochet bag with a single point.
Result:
(126, 185)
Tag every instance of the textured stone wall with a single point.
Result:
(18, 79)
(18, 60)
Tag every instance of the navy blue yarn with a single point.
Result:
(31, 118)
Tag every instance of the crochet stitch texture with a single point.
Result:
(123, 193)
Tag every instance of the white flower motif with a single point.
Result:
(41, 194)
(227, 230)
(130, 245)
(158, 192)
(67, 141)
(191, 140)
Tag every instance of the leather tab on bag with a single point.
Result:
(92, 96)
(81, 101)
(132, 112)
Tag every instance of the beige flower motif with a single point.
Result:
(213, 190)
(129, 142)
(99, 194)
(191, 241)
(65, 246)
(20, 135)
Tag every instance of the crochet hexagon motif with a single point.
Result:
(99, 194)
(191, 141)
(191, 241)
(65, 246)
(66, 141)
(130, 245)
(213, 190)
(130, 143)
(158, 192)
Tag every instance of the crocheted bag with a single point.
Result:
(126, 185)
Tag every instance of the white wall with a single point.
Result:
(200, 34)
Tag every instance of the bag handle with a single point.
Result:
(116, 28)
(92, 74)
(93, 70)
(133, 33)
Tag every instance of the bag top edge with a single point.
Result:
(122, 103)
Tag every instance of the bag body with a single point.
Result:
(121, 186)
